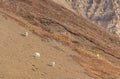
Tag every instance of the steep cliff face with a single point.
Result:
(103, 12)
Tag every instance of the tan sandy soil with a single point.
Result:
(17, 52)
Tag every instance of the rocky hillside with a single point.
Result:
(81, 44)
(103, 12)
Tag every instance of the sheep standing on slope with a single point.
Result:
(98, 55)
(25, 34)
(53, 64)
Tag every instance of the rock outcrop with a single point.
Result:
(103, 12)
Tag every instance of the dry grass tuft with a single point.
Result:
(96, 52)
(63, 38)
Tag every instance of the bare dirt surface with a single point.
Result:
(78, 46)
(17, 52)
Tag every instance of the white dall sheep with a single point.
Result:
(37, 54)
(25, 34)
(53, 64)
(98, 55)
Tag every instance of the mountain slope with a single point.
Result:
(17, 52)
(54, 22)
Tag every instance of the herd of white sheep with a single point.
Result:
(37, 54)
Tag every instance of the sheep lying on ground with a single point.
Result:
(37, 54)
